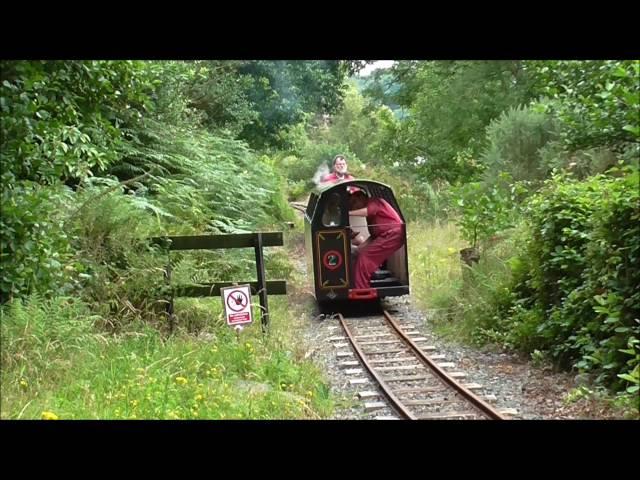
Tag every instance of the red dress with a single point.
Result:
(387, 236)
(333, 177)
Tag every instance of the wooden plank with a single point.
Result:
(406, 378)
(274, 287)
(509, 411)
(390, 350)
(344, 354)
(448, 415)
(392, 360)
(446, 365)
(382, 334)
(420, 389)
(358, 381)
(349, 363)
(374, 335)
(433, 401)
(397, 367)
(428, 348)
(261, 283)
(368, 394)
(208, 242)
(368, 406)
(381, 342)
(472, 386)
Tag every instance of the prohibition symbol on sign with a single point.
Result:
(332, 259)
(237, 301)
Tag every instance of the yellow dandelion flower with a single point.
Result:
(451, 250)
(181, 380)
(23, 384)
(199, 397)
(134, 403)
(49, 416)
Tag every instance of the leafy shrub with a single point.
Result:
(575, 289)
(514, 142)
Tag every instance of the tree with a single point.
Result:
(63, 120)
(449, 105)
(598, 102)
(282, 91)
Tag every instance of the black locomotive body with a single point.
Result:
(330, 253)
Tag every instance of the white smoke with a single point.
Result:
(321, 172)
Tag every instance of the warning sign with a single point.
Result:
(237, 304)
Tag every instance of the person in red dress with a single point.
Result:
(387, 235)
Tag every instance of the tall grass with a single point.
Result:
(456, 296)
(55, 364)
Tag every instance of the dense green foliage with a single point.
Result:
(98, 156)
(598, 102)
(164, 128)
(564, 284)
(575, 288)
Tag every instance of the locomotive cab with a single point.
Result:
(331, 255)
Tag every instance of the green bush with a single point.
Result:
(114, 262)
(62, 120)
(34, 245)
(597, 101)
(575, 288)
(514, 142)
(486, 209)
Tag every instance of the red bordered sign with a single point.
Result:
(237, 304)
(332, 259)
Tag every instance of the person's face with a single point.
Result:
(341, 165)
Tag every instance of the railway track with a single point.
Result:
(399, 377)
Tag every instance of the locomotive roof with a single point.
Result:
(325, 187)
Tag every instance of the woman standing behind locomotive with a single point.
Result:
(339, 172)
(387, 235)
